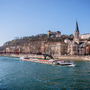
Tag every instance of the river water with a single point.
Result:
(23, 75)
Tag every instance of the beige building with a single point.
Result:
(13, 49)
(56, 48)
(10, 49)
(88, 48)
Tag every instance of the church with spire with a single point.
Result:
(76, 47)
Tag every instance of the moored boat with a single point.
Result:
(24, 57)
(27, 58)
(87, 58)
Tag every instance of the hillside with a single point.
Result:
(33, 40)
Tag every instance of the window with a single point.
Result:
(74, 48)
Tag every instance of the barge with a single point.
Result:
(51, 61)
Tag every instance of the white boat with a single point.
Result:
(27, 58)
(63, 63)
(87, 58)
(24, 58)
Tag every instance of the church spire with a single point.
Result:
(76, 33)
(76, 28)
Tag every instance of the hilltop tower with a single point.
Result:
(76, 33)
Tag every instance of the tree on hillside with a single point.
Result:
(71, 35)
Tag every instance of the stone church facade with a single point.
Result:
(76, 47)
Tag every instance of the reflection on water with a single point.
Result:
(22, 75)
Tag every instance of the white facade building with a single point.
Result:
(67, 40)
(85, 36)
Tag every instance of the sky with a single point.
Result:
(20, 18)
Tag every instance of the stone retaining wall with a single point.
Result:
(70, 57)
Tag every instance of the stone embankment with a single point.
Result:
(63, 57)
(73, 57)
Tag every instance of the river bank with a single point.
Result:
(63, 57)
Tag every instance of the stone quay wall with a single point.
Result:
(67, 57)
(63, 57)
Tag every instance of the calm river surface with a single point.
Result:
(23, 75)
